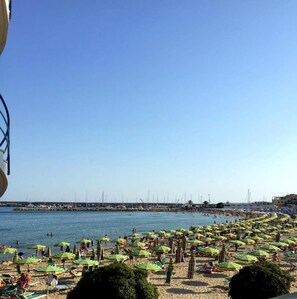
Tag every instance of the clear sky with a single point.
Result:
(174, 97)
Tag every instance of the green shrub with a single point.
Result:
(263, 281)
(116, 281)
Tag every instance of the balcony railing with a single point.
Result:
(5, 128)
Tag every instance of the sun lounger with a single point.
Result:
(61, 287)
(34, 296)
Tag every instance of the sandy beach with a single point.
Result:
(212, 285)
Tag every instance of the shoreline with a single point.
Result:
(227, 213)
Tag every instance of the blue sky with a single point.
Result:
(175, 97)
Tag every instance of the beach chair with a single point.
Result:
(9, 291)
(34, 296)
(61, 287)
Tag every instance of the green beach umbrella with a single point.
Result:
(229, 266)
(162, 248)
(265, 237)
(151, 235)
(119, 240)
(50, 269)
(84, 241)
(209, 251)
(86, 262)
(220, 238)
(280, 244)
(28, 261)
(137, 244)
(64, 256)
(135, 236)
(236, 242)
(148, 266)
(256, 238)
(246, 258)
(249, 241)
(117, 257)
(141, 253)
(288, 241)
(103, 239)
(207, 240)
(161, 232)
(37, 246)
(62, 244)
(8, 250)
(195, 242)
(259, 253)
(269, 247)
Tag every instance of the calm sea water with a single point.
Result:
(32, 227)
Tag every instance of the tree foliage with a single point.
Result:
(115, 281)
(265, 280)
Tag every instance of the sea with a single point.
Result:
(36, 227)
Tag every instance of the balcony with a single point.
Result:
(4, 146)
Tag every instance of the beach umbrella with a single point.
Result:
(141, 253)
(8, 250)
(229, 266)
(207, 240)
(28, 261)
(209, 251)
(195, 242)
(119, 240)
(117, 257)
(135, 236)
(104, 239)
(151, 235)
(230, 235)
(236, 242)
(288, 241)
(256, 238)
(86, 262)
(162, 248)
(249, 241)
(64, 256)
(148, 266)
(50, 269)
(280, 244)
(84, 241)
(198, 235)
(138, 244)
(161, 232)
(259, 253)
(62, 244)
(265, 237)
(37, 246)
(246, 258)
(269, 247)
(220, 238)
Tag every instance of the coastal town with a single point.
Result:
(285, 204)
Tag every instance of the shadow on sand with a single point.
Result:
(195, 283)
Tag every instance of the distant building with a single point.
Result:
(282, 201)
(252, 206)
